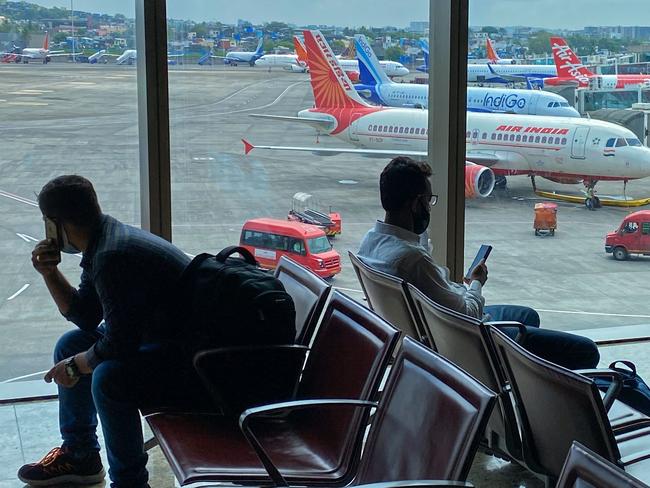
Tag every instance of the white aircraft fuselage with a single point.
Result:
(556, 147)
(392, 68)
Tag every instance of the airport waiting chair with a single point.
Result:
(557, 406)
(465, 342)
(387, 297)
(348, 359)
(585, 468)
(309, 293)
(427, 426)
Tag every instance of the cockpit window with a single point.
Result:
(621, 142)
(634, 142)
(610, 142)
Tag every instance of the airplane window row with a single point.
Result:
(414, 97)
(522, 138)
(397, 130)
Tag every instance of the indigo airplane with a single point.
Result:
(376, 87)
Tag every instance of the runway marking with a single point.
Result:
(27, 238)
(352, 290)
(30, 92)
(260, 107)
(18, 198)
(22, 289)
(29, 104)
(18, 378)
(577, 312)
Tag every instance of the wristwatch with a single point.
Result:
(71, 369)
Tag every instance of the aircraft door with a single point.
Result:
(579, 143)
(532, 104)
(353, 131)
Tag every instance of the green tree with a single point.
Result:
(540, 43)
(488, 29)
(393, 53)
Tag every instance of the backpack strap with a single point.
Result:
(628, 364)
(230, 250)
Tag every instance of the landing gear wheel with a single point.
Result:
(589, 203)
(552, 232)
(620, 254)
(500, 182)
(537, 233)
(597, 203)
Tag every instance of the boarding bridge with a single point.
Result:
(593, 98)
(636, 119)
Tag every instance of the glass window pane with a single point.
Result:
(289, 172)
(66, 107)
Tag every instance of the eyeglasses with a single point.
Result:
(430, 199)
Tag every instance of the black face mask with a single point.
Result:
(421, 219)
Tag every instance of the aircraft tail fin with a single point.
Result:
(301, 52)
(370, 71)
(46, 41)
(491, 52)
(331, 86)
(260, 45)
(568, 64)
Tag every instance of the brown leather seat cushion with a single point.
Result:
(203, 447)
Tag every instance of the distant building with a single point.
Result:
(419, 26)
(636, 32)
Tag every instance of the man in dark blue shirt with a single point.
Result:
(111, 368)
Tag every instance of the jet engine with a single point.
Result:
(479, 180)
(353, 75)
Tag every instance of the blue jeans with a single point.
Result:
(569, 350)
(115, 391)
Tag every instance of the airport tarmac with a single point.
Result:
(64, 118)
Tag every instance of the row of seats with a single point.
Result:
(542, 409)
(426, 423)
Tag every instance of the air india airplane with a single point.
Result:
(37, 53)
(492, 55)
(561, 149)
(571, 71)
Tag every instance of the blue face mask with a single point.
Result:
(66, 246)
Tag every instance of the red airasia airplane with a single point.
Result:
(571, 71)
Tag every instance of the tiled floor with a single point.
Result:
(28, 431)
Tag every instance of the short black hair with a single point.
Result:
(401, 181)
(70, 198)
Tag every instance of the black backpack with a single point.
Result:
(231, 302)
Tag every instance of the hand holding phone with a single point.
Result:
(46, 254)
(481, 257)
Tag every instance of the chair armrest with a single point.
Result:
(245, 418)
(239, 377)
(415, 484)
(501, 324)
(614, 388)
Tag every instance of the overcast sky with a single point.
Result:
(539, 13)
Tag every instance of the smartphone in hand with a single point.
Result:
(483, 253)
(52, 234)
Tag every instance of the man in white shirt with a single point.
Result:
(393, 246)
